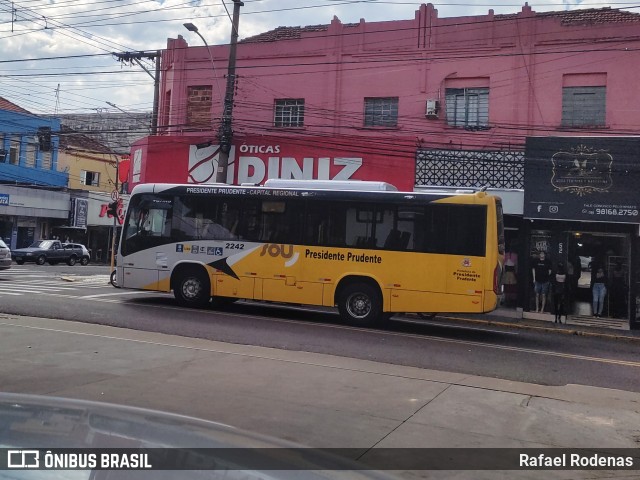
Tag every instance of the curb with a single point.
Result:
(563, 331)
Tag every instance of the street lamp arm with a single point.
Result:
(225, 131)
(192, 28)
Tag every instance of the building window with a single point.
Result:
(583, 106)
(90, 178)
(467, 107)
(199, 107)
(31, 155)
(14, 151)
(46, 160)
(381, 112)
(166, 111)
(289, 112)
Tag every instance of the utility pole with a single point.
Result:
(225, 132)
(115, 196)
(156, 95)
(130, 57)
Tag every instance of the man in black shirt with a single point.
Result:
(541, 275)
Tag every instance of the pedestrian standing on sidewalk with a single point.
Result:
(559, 293)
(599, 291)
(541, 275)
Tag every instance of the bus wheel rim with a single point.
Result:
(358, 305)
(191, 288)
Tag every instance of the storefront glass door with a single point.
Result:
(588, 252)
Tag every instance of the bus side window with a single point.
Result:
(404, 240)
(325, 224)
(393, 240)
(410, 223)
(185, 222)
(466, 232)
(320, 233)
(435, 229)
(359, 226)
(229, 216)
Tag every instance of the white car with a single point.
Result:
(5, 256)
(85, 254)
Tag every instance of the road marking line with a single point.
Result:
(23, 290)
(38, 291)
(111, 294)
(52, 286)
(428, 323)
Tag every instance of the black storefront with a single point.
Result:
(581, 207)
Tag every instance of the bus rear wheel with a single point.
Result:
(360, 304)
(192, 289)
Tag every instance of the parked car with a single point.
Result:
(5, 256)
(85, 254)
(52, 251)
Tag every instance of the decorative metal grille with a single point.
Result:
(458, 168)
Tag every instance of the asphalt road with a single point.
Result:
(83, 294)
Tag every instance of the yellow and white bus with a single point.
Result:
(361, 246)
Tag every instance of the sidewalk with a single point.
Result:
(313, 399)
(573, 325)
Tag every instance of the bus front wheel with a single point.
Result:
(192, 289)
(360, 304)
(113, 279)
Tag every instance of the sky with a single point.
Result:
(57, 55)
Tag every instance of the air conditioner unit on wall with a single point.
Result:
(432, 108)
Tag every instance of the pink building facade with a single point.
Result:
(424, 103)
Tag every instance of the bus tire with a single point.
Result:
(191, 288)
(113, 279)
(360, 304)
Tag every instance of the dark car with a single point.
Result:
(51, 251)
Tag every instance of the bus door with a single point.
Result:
(235, 277)
(145, 249)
